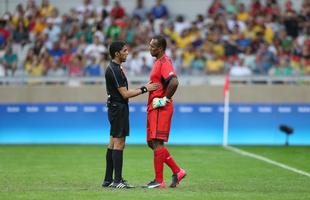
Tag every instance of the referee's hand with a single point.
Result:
(152, 86)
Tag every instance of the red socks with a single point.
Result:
(159, 159)
(171, 163)
(162, 156)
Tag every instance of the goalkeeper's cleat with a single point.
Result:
(154, 184)
(122, 185)
(107, 183)
(176, 178)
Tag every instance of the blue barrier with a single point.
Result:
(193, 123)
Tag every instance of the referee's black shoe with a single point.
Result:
(122, 185)
(107, 183)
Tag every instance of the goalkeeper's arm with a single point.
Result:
(172, 87)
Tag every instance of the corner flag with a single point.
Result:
(226, 111)
(226, 84)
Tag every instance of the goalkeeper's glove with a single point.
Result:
(159, 102)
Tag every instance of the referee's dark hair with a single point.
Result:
(161, 41)
(116, 47)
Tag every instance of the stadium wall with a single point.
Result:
(77, 115)
(203, 94)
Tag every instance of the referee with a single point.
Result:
(118, 113)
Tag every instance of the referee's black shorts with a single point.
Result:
(118, 114)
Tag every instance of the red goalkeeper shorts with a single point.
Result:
(158, 123)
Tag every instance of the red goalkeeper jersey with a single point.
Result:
(161, 73)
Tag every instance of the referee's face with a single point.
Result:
(123, 53)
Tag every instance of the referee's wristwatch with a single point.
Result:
(143, 89)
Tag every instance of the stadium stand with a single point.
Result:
(245, 39)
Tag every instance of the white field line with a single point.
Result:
(252, 155)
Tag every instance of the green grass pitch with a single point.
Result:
(76, 172)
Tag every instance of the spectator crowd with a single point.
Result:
(241, 39)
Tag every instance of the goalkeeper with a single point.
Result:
(159, 114)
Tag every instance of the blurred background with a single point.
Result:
(53, 56)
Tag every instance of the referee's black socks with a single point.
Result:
(109, 166)
(117, 156)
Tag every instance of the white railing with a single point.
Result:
(184, 80)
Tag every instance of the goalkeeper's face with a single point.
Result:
(153, 47)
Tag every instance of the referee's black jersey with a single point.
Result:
(115, 78)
